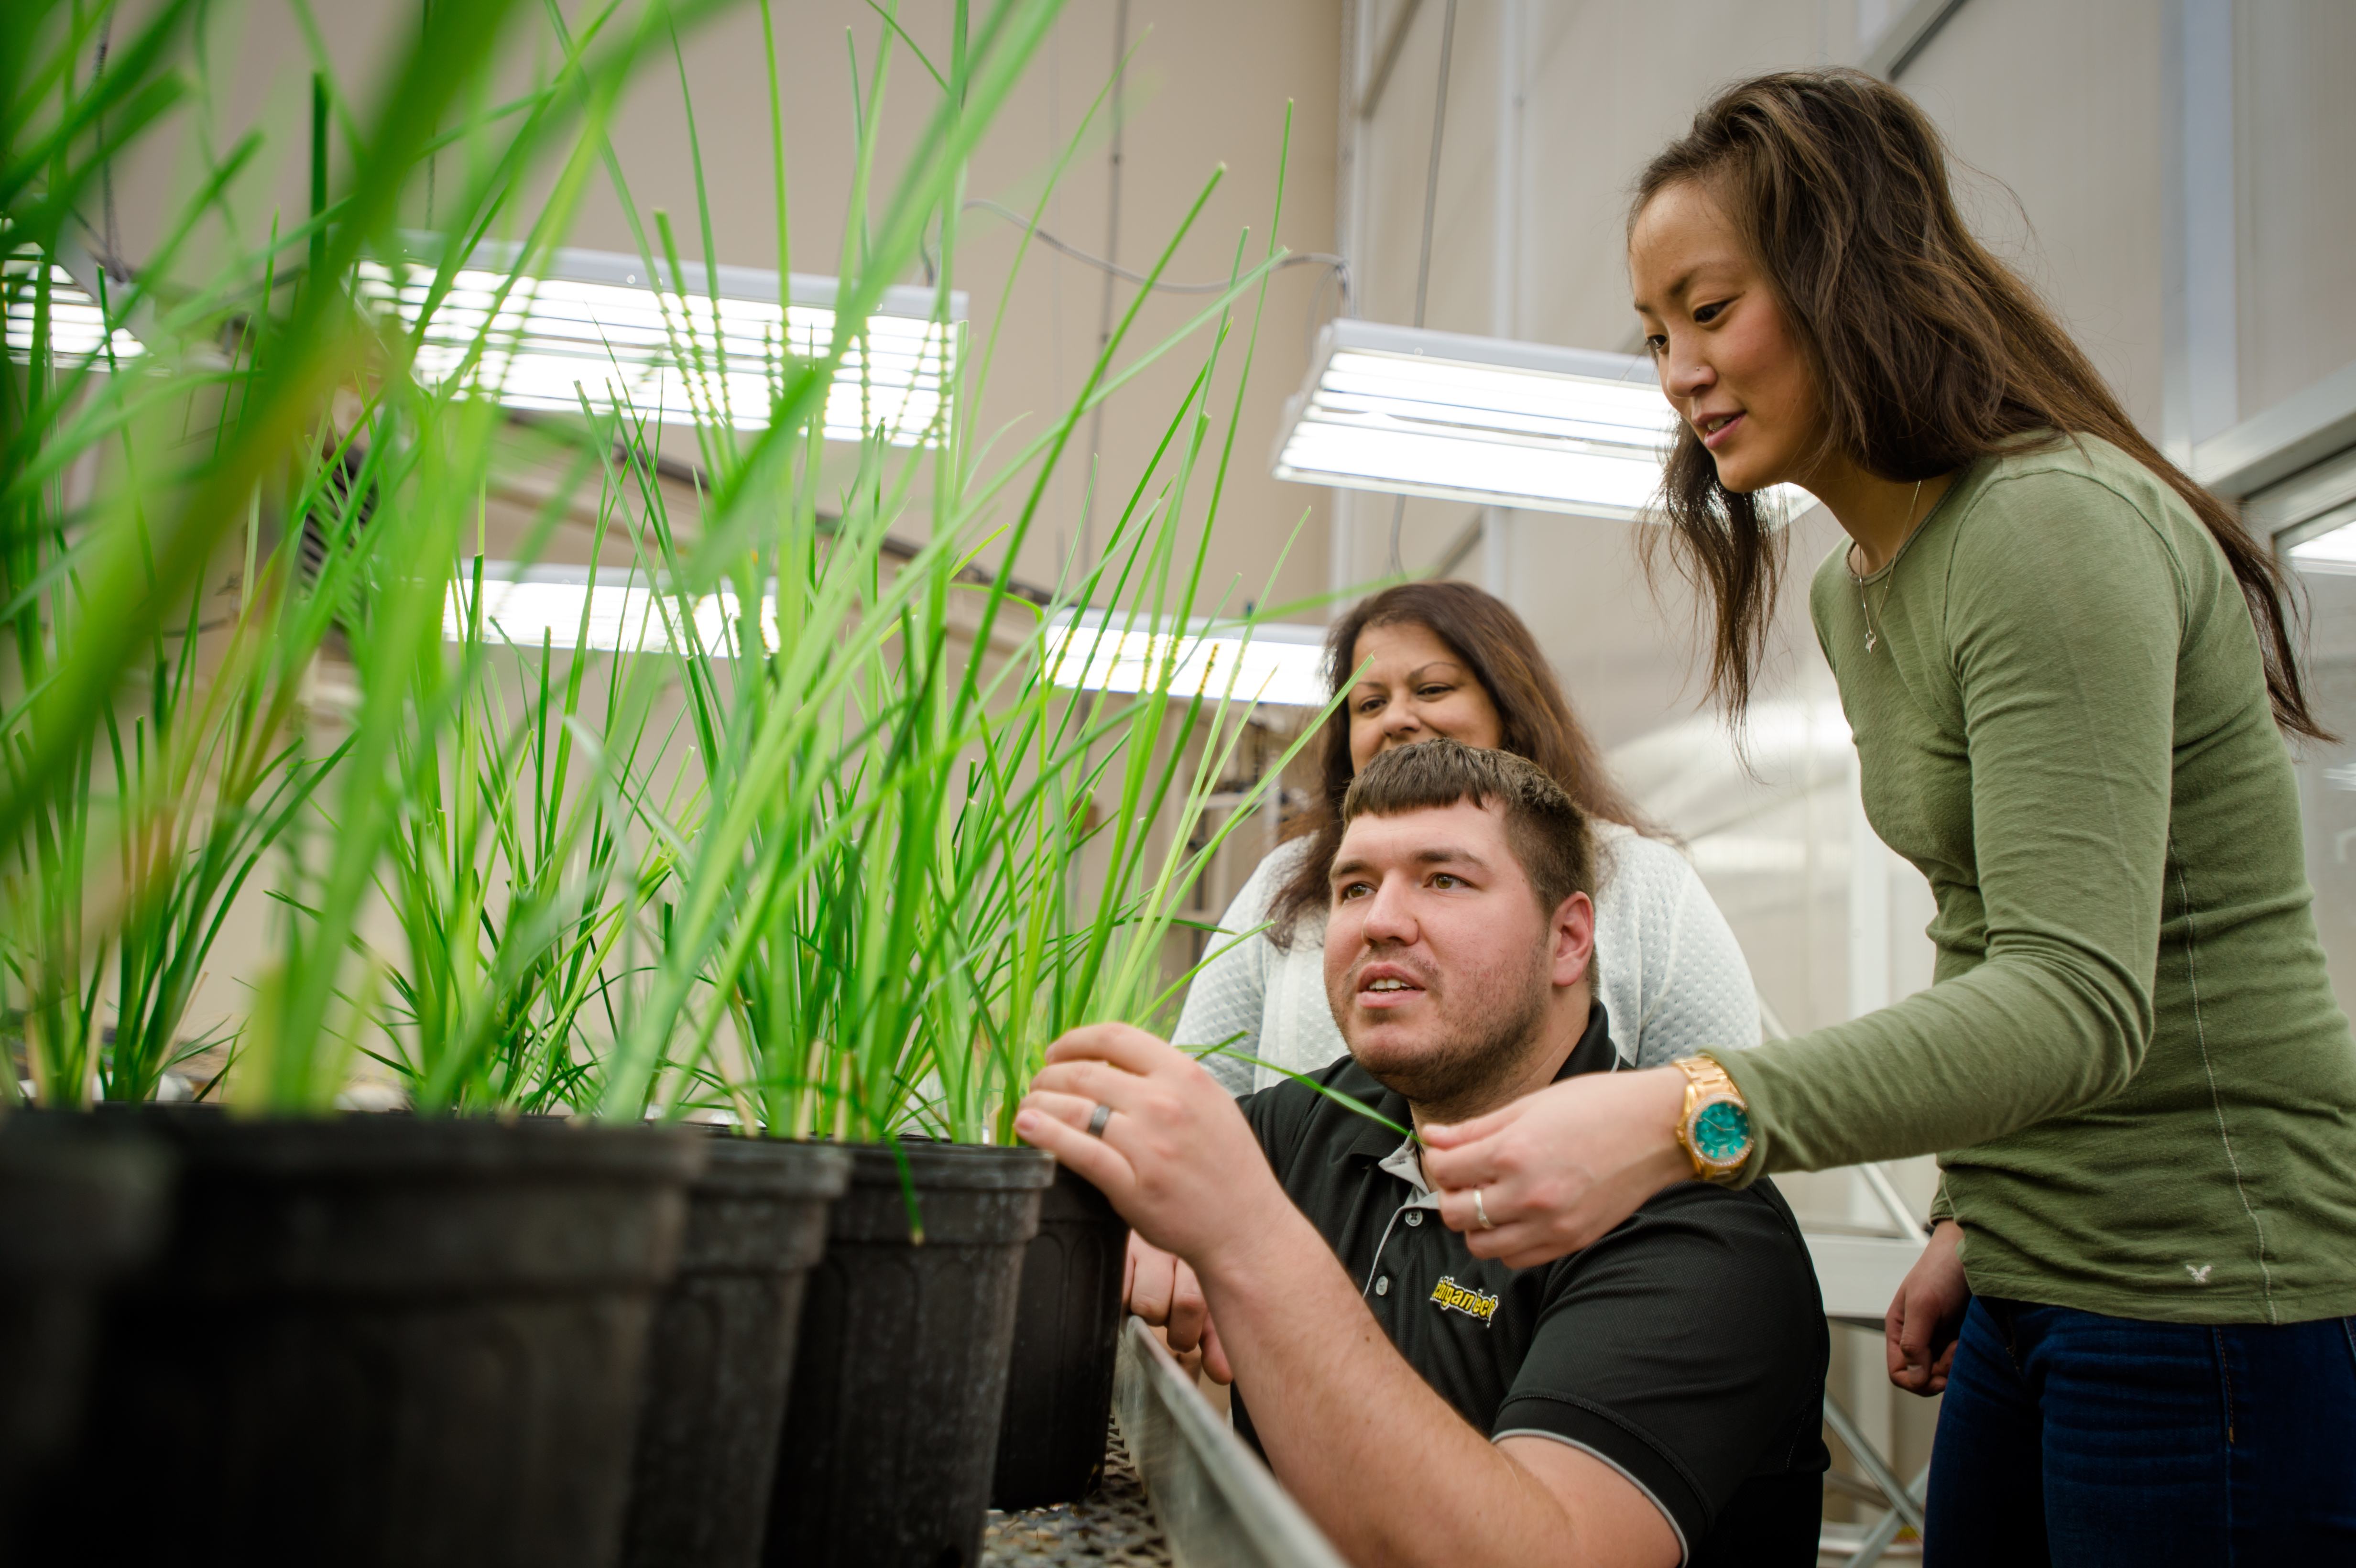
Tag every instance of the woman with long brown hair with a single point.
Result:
(2069, 672)
(1427, 659)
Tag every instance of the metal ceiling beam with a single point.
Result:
(2304, 429)
(1387, 57)
(2200, 304)
(1902, 37)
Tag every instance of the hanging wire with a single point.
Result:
(106, 169)
(1339, 267)
(1430, 203)
(1111, 257)
(1432, 170)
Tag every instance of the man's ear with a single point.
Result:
(1570, 939)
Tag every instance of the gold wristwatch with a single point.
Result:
(1715, 1130)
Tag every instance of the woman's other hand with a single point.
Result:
(1556, 1169)
(1927, 1313)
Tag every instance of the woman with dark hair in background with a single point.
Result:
(1428, 659)
(2069, 672)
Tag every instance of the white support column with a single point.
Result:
(1869, 989)
(1868, 909)
(1344, 507)
(1505, 199)
(1499, 531)
(1499, 526)
(2201, 393)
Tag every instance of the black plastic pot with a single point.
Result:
(375, 1340)
(891, 1431)
(79, 1205)
(721, 1352)
(1051, 1440)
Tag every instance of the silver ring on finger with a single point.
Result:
(1481, 1212)
(1098, 1118)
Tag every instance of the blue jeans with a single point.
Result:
(2067, 1437)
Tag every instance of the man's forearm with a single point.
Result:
(1383, 1464)
(1387, 1468)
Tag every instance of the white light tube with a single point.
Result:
(77, 325)
(1111, 651)
(625, 614)
(1092, 650)
(1407, 410)
(591, 324)
(2332, 551)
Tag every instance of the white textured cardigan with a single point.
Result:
(1670, 975)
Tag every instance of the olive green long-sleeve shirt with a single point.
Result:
(2142, 1089)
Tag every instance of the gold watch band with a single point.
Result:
(1704, 1079)
(1706, 1083)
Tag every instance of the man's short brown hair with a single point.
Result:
(1545, 827)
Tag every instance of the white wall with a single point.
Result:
(2294, 124)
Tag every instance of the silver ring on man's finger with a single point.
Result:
(1098, 1118)
(1481, 1212)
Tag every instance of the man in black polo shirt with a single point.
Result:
(1651, 1400)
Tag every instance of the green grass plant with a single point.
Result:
(841, 853)
(905, 878)
(154, 750)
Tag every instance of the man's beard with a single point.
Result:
(1489, 1043)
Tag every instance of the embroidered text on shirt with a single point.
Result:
(1453, 1296)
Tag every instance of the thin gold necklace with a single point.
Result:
(1871, 636)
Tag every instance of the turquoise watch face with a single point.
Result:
(1721, 1132)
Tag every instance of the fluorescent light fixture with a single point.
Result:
(593, 325)
(2330, 549)
(621, 612)
(78, 328)
(1101, 650)
(1411, 411)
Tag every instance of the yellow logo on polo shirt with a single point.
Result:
(1453, 1298)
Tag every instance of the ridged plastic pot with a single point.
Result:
(80, 1206)
(382, 1342)
(891, 1430)
(721, 1354)
(1051, 1439)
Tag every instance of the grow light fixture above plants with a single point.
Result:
(591, 324)
(1269, 663)
(618, 612)
(78, 328)
(1411, 411)
(2332, 550)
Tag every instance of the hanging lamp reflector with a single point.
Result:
(1267, 662)
(1411, 411)
(709, 347)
